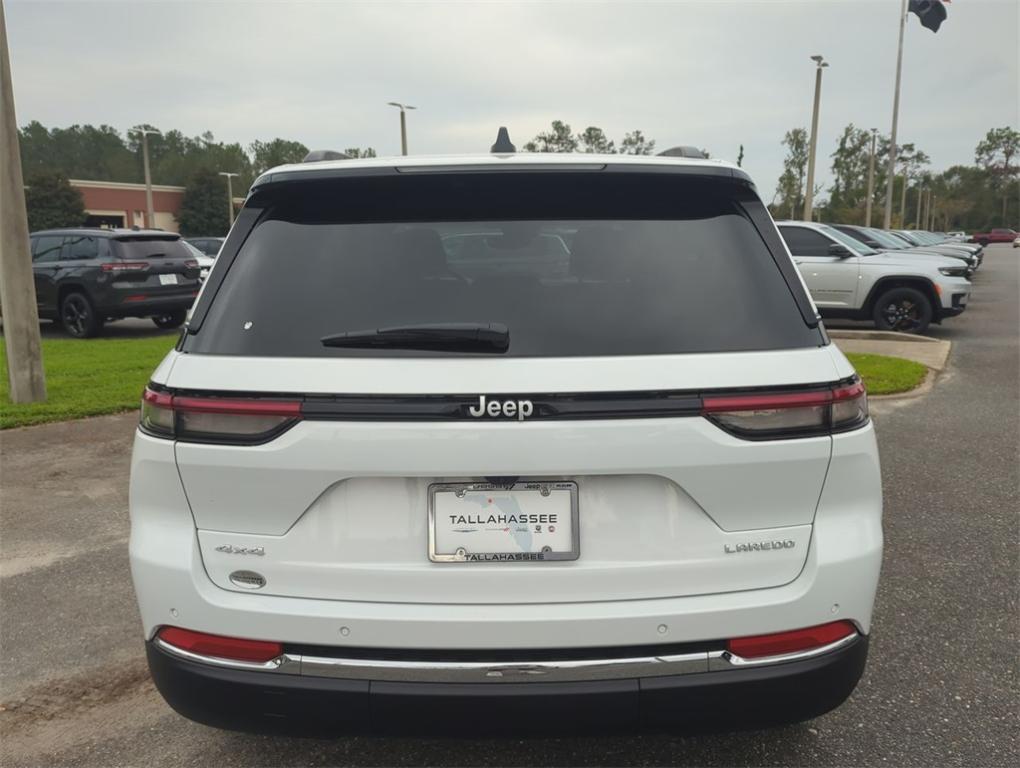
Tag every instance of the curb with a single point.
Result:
(882, 336)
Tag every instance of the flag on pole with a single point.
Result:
(931, 12)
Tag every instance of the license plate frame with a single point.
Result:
(168, 278)
(531, 556)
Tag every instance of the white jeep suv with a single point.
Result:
(898, 292)
(504, 441)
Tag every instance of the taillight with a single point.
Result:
(219, 646)
(769, 416)
(191, 264)
(216, 419)
(793, 641)
(124, 266)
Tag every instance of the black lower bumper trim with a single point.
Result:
(725, 700)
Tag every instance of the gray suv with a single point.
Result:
(84, 277)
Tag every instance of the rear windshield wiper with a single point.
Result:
(452, 337)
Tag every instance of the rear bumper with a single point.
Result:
(722, 699)
(154, 304)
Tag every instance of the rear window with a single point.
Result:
(136, 249)
(600, 265)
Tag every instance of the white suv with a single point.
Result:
(501, 442)
(896, 291)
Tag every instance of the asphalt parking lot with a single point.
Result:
(941, 686)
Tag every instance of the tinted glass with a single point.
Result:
(855, 246)
(886, 240)
(81, 247)
(700, 281)
(193, 249)
(47, 249)
(856, 234)
(805, 242)
(139, 249)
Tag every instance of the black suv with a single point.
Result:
(85, 276)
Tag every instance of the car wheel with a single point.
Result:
(906, 310)
(79, 317)
(170, 319)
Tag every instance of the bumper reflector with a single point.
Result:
(790, 642)
(219, 646)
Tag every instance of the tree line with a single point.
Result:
(962, 197)
(50, 156)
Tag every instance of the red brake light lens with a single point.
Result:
(234, 648)
(760, 646)
(769, 416)
(216, 419)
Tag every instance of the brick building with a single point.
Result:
(120, 204)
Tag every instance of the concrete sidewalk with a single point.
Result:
(934, 353)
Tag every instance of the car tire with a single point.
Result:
(79, 317)
(906, 310)
(170, 319)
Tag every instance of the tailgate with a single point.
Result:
(667, 506)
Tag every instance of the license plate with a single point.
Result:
(526, 521)
(170, 279)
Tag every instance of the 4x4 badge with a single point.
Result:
(230, 549)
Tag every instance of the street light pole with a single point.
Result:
(809, 194)
(895, 119)
(403, 123)
(230, 193)
(871, 178)
(149, 211)
(903, 196)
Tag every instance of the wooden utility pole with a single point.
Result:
(17, 286)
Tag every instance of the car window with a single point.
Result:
(47, 249)
(138, 248)
(81, 247)
(642, 271)
(193, 248)
(805, 242)
(855, 246)
(885, 239)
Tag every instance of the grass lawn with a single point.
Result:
(887, 375)
(86, 378)
(89, 378)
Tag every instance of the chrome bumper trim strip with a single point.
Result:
(284, 663)
(569, 670)
(718, 660)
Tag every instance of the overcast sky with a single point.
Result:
(714, 74)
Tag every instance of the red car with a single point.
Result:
(995, 236)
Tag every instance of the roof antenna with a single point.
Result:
(318, 155)
(503, 145)
(684, 152)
